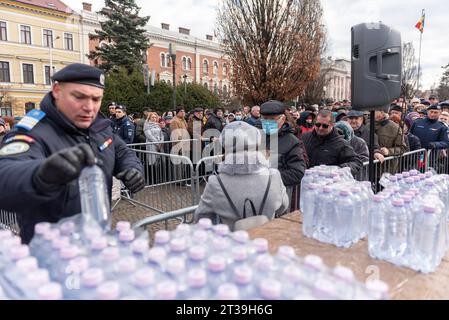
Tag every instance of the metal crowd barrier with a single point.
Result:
(8, 221)
(438, 160)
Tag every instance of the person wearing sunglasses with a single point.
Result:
(325, 146)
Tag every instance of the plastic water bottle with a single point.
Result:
(239, 256)
(345, 283)
(156, 258)
(324, 216)
(166, 290)
(126, 238)
(50, 291)
(197, 286)
(216, 270)
(308, 212)
(94, 197)
(162, 239)
(33, 281)
(324, 289)
(59, 269)
(204, 224)
(108, 257)
(67, 228)
(344, 220)
(397, 228)
(243, 279)
(264, 267)
(178, 247)
(270, 289)
(425, 238)
(258, 247)
(19, 272)
(227, 291)
(90, 280)
(221, 230)
(367, 196)
(358, 212)
(176, 268)
(182, 231)
(97, 245)
(122, 226)
(313, 268)
(305, 182)
(377, 290)
(145, 281)
(196, 257)
(139, 249)
(377, 227)
(293, 280)
(199, 237)
(38, 239)
(109, 290)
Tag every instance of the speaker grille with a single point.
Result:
(355, 52)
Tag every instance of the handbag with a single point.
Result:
(257, 218)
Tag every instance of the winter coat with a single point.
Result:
(363, 132)
(390, 137)
(413, 142)
(140, 135)
(214, 123)
(332, 149)
(241, 187)
(432, 133)
(289, 157)
(154, 136)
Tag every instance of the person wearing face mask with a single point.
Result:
(325, 146)
(238, 115)
(306, 121)
(289, 154)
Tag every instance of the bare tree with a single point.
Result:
(409, 71)
(273, 46)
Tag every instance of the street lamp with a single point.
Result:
(172, 52)
(51, 55)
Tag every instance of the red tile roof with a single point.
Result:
(48, 4)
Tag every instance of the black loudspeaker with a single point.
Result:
(376, 66)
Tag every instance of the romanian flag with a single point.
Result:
(420, 24)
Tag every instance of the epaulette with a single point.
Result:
(31, 119)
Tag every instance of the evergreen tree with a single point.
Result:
(124, 34)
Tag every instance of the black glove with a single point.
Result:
(63, 167)
(133, 179)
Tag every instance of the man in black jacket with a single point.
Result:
(42, 157)
(289, 154)
(325, 146)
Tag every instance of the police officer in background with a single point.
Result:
(123, 126)
(42, 157)
(431, 132)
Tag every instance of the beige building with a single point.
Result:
(35, 37)
(338, 74)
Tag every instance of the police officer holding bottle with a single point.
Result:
(42, 157)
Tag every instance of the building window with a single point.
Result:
(225, 70)
(6, 109)
(4, 72)
(25, 34)
(163, 61)
(167, 56)
(3, 33)
(68, 41)
(47, 75)
(28, 73)
(184, 63)
(205, 67)
(189, 64)
(215, 68)
(216, 88)
(206, 86)
(225, 91)
(48, 38)
(29, 106)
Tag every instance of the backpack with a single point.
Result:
(257, 217)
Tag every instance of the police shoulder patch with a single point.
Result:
(14, 148)
(31, 119)
(19, 137)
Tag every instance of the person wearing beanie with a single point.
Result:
(244, 181)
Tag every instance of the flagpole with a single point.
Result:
(419, 59)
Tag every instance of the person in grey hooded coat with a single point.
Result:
(358, 144)
(244, 174)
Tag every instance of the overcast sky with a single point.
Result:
(340, 16)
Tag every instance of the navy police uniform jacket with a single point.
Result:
(23, 151)
(431, 131)
(124, 128)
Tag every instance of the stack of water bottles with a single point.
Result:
(192, 262)
(335, 206)
(408, 220)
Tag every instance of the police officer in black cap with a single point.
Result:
(42, 157)
(431, 132)
(290, 155)
(123, 127)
